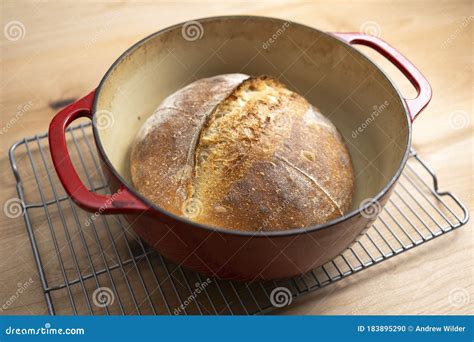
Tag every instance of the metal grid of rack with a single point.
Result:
(97, 265)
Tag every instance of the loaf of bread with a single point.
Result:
(243, 153)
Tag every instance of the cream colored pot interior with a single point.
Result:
(344, 85)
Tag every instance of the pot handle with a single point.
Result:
(122, 201)
(415, 105)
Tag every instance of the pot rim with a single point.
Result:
(279, 233)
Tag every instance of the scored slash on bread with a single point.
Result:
(245, 153)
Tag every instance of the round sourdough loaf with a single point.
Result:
(243, 153)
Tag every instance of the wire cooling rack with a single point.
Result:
(98, 265)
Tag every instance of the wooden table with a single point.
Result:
(67, 47)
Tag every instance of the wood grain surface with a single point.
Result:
(62, 49)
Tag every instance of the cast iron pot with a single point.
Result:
(352, 91)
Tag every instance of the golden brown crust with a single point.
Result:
(256, 157)
(159, 161)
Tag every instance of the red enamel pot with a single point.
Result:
(350, 89)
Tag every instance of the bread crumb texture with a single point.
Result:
(243, 153)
